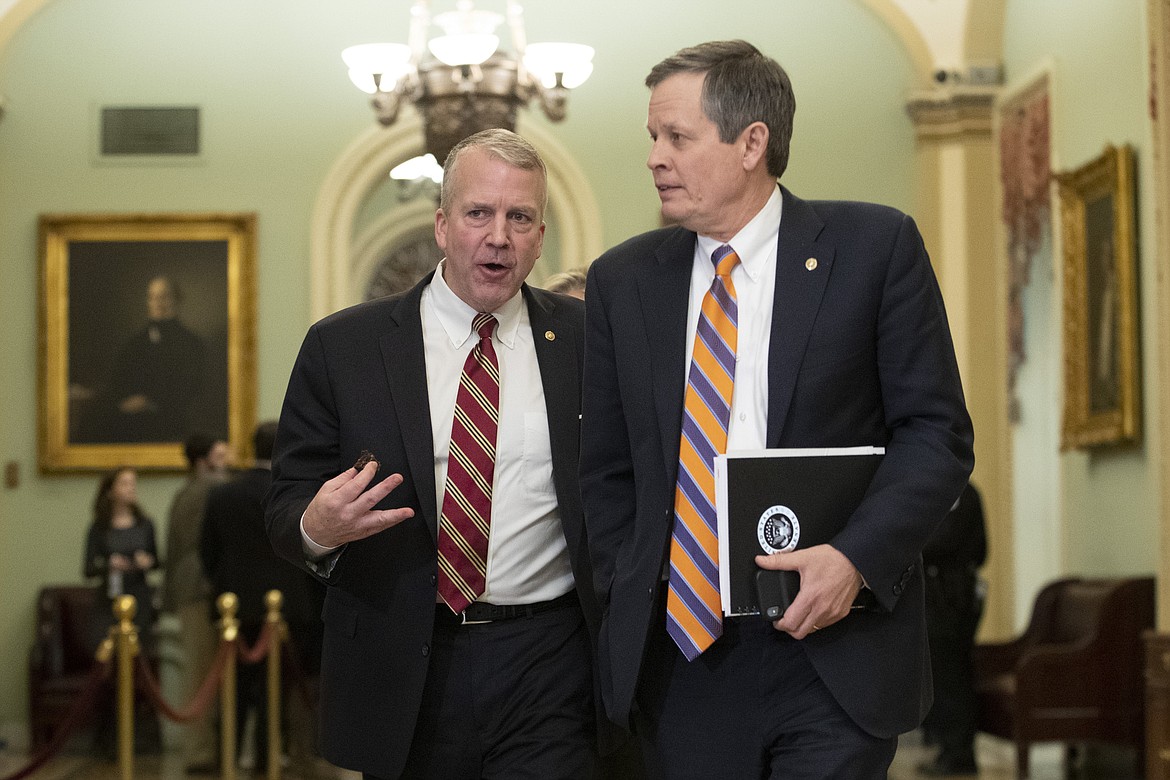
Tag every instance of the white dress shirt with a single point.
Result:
(754, 278)
(528, 559)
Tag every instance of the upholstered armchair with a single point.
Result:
(1075, 674)
(61, 656)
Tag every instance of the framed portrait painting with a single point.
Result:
(1102, 404)
(147, 335)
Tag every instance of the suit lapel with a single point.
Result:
(664, 285)
(799, 290)
(560, 374)
(558, 341)
(404, 361)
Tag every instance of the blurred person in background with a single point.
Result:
(571, 282)
(954, 605)
(120, 550)
(238, 558)
(187, 594)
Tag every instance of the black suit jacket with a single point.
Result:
(360, 383)
(860, 354)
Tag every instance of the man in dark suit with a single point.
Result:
(414, 685)
(840, 339)
(238, 558)
(954, 605)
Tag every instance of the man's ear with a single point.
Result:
(755, 141)
(441, 229)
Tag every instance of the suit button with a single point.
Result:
(898, 590)
(434, 579)
(426, 650)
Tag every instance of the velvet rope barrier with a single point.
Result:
(259, 651)
(83, 706)
(198, 705)
(203, 697)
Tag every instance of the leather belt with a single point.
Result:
(482, 612)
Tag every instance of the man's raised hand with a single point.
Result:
(343, 509)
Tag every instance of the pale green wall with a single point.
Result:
(279, 109)
(1108, 501)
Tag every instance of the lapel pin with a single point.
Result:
(548, 334)
(811, 264)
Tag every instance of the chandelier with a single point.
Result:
(460, 81)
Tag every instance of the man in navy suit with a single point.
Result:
(842, 341)
(410, 687)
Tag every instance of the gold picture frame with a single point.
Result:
(1102, 404)
(147, 334)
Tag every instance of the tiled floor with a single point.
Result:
(996, 762)
(165, 767)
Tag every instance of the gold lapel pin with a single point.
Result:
(811, 264)
(548, 334)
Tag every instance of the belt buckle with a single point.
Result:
(463, 621)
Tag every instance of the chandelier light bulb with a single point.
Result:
(574, 61)
(389, 61)
(424, 166)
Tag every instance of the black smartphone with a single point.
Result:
(775, 590)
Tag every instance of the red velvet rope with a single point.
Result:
(206, 694)
(97, 675)
(198, 705)
(202, 699)
(259, 651)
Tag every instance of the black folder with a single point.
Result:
(781, 500)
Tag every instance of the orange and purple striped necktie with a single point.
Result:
(465, 523)
(694, 617)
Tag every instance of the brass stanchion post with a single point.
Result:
(229, 626)
(126, 644)
(273, 600)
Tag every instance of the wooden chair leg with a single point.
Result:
(1073, 757)
(1022, 751)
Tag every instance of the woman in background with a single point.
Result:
(120, 548)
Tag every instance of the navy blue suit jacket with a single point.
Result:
(359, 383)
(860, 354)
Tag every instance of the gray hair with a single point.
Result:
(501, 144)
(741, 86)
(566, 281)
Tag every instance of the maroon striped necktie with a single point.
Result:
(465, 522)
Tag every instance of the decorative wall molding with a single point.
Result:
(952, 113)
(1159, 27)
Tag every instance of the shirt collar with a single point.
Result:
(755, 243)
(455, 315)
